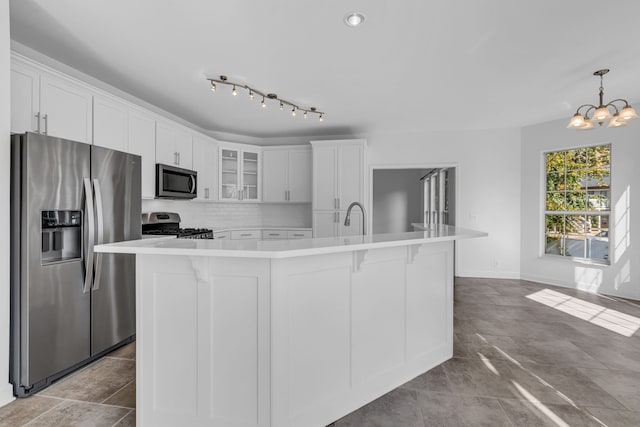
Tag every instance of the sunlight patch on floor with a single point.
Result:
(544, 409)
(613, 320)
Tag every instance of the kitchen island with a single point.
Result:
(286, 333)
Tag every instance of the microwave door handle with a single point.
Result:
(100, 228)
(192, 184)
(88, 265)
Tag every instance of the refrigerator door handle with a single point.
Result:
(100, 228)
(88, 265)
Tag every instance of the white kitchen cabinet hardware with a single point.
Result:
(239, 175)
(222, 235)
(274, 235)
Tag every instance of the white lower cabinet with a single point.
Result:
(226, 235)
(246, 234)
(274, 235)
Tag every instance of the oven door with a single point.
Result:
(175, 183)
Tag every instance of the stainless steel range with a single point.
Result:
(168, 224)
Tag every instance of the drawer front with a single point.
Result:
(274, 234)
(222, 235)
(299, 234)
(245, 234)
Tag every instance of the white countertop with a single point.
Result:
(285, 248)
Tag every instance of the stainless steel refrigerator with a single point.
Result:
(69, 305)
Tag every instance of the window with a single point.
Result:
(577, 203)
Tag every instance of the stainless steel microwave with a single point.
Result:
(175, 183)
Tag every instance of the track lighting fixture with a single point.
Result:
(602, 113)
(252, 92)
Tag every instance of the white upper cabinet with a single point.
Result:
(338, 180)
(110, 123)
(174, 145)
(65, 109)
(338, 168)
(275, 175)
(50, 105)
(25, 99)
(142, 141)
(300, 175)
(286, 175)
(239, 173)
(205, 162)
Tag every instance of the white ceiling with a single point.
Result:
(414, 65)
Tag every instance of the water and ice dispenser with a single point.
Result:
(61, 236)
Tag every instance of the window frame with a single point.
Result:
(585, 213)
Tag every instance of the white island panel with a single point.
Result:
(287, 334)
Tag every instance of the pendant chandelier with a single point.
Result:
(295, 109)
(603, 112)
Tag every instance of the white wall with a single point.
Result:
(6, 394)
(488, 197)
(622, 276)
(397, 199)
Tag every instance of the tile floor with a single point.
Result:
(525, 354)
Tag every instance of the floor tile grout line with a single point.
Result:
(87, 402)
(118, 391)
(40, 415)
(125, 416)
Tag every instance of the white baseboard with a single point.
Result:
(6, 394)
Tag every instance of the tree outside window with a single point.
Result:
(577, 202)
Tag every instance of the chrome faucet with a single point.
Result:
(347, 219)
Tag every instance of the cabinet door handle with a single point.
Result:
(38, 122)
(206, 193)
(338, 202)
(46, 124)
(178, 153)
(285, 195)
(274, 234)
(246, 235)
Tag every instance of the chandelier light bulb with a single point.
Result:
(251, 95)
(281, 106)
(213, 87)
(576, 122)
(616, 121)
(293, 111)
(628, 113)
(588, 124)
(234, 92)
(262, 103)
(305, 115)
(321, 118)
(601, 114)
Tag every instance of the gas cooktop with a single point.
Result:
(168, 224)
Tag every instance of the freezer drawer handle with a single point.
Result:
(88, 265)
(100, 216)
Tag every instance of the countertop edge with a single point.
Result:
(145, 247)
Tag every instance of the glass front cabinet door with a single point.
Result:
(239, 174)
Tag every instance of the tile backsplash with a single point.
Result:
(217, 215)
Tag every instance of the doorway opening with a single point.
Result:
(402, 196)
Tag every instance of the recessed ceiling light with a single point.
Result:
(354, 19)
